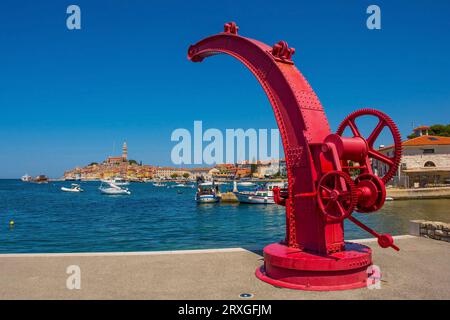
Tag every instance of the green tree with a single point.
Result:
(186, 175)
(436, 130)
(440, 130)
(174, 175)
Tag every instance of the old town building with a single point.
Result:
(425, 161)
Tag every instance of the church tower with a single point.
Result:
(124, 151)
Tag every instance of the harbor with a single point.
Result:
(223, 151)
(48, 220)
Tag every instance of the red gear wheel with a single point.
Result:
(383, 121)
(336, 196)
(371, 193)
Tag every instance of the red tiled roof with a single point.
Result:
(421, 128)
(423, 141)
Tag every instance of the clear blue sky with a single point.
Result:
(67, 96)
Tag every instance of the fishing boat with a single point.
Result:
(113, 189)
(75, 188)
(262, 195)
(207, 192)
(40, 179)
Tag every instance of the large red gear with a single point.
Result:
(383, 121)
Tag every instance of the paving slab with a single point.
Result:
(421, 270)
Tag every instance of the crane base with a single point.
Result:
(295, 269)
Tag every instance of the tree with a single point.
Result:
(253, 168)
(132, 162)
(440, 130)
(436, 130)
(186, 175)
(174, 175)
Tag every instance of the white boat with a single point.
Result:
(159, 184)
(117, 181)
(246, 184)
(261, 196)
(183, 185)
(113, 189)
(207, 192)
(26, 178)
(75, 188)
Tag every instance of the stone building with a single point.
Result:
(425, 161)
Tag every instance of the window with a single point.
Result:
(427, 151)
(429, 164)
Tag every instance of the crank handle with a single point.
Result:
(384, 240)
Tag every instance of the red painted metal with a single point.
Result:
(321, 192)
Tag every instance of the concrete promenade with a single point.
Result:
(421, 270)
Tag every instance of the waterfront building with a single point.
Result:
(425, 161)
(270, 168)
(199, 172)
(169, 172)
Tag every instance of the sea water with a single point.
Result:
(159, 218)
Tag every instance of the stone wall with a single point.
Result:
(418, 193)
(430, 229)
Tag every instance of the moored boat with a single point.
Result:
(183, 185)
(159, 184)
(207, 192)
(259, 196)
(118, 181)
(26, 178)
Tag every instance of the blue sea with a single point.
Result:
(154, 218)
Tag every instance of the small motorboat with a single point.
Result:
(207, 192)
(75, 188)
(113, 189)
(159, 184)
(118, 181)
(259, 196)
(183, 185)
(26, 178)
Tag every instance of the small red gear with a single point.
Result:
(383, 121)
(336, 196)
(371, 193)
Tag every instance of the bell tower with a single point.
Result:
(124, 151)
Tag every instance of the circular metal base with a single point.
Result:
(295, 269)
